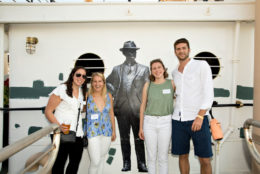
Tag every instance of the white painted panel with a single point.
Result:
(61, 44)
(1, 83)
(246, 43)
(100, 12)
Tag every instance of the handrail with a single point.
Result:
(19, 145)
(249, 140)
(238, 104)
(22, 109)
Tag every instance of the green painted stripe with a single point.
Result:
(61, 76)
(112, 151)
(221, 92)
(16, 125)
(38, 90)
(110, 160)
(245, 93)
(33, 129)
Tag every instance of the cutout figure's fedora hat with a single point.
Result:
(129, 45)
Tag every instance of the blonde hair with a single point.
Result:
(104, 90)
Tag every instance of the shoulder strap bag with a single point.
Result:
(85, 138)
(71, 136)
(215, 128)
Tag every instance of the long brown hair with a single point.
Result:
(165, 74)
(69, 82)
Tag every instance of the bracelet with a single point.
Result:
(201, 117)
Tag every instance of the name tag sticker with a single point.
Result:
(166, 91)
(94, 116)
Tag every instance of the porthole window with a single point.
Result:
(92, 63)
(212, 60)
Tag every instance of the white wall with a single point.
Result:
(61, 44)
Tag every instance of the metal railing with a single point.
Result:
(238, 104)
(19, 145)
(249, 140)
(52, 152)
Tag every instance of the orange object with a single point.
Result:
(216, 130)
(68, 128)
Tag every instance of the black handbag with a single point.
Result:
(71, 136)
(68, 138)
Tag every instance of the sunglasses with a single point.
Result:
(79, 75)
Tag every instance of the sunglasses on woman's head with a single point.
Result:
(79, 75)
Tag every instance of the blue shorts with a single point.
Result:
(182, 133)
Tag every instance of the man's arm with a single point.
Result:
(207, 93)
(207, 87)
(146, 74)
(110, 82)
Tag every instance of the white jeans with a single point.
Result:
(157, 136)
(98, 148)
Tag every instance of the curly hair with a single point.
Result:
(165, 74)
(69, 82)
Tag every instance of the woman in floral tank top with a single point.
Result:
(100, 127)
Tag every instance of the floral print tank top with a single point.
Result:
(97, 122)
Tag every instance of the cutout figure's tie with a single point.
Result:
(128, 69)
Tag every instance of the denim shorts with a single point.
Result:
(182, 133)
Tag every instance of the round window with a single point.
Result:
(212, 60)
(92, 63)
